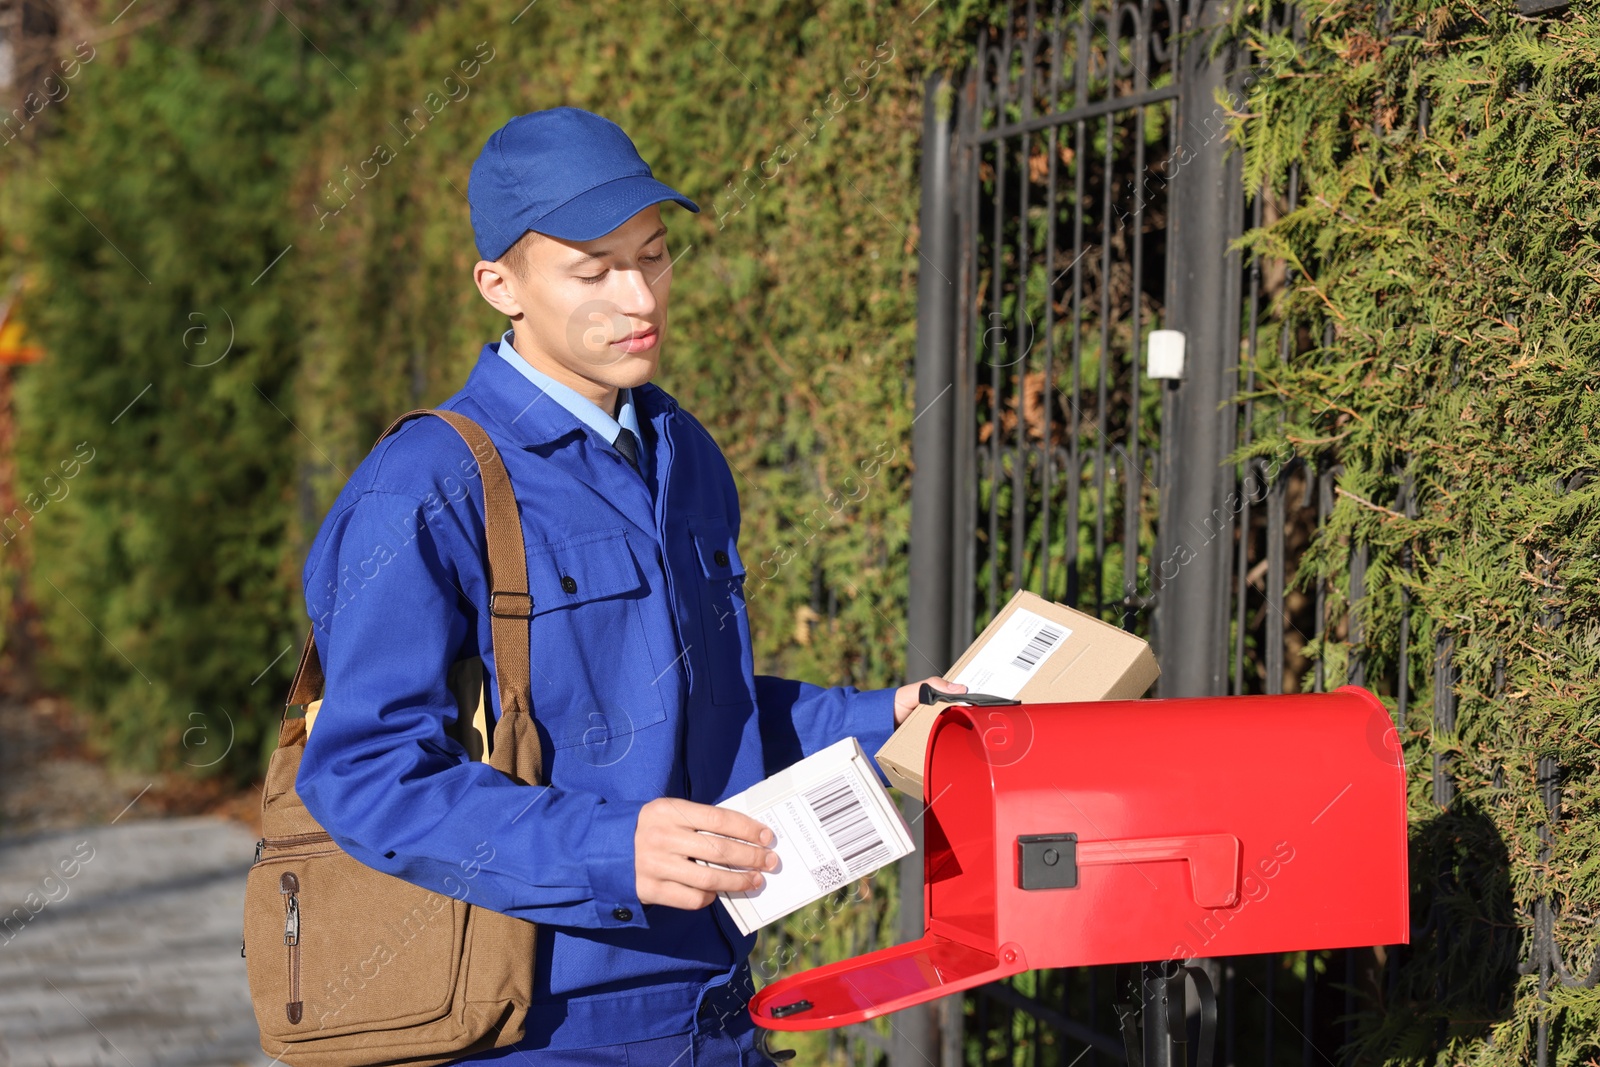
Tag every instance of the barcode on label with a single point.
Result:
(1038, 645)
(827, 876)
(848, 826)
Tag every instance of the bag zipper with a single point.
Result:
(287, 841)
(291, 840)
(289, 886)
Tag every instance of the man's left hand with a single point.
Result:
(905, 698)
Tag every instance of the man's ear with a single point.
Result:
(494, 284)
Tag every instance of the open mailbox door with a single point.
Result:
(1067, 835)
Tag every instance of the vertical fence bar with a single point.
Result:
(1103, 359)
(1232, 209)
(967, 154)
(1308, 1000)
(1163, 50)
(1255, 470)
(1017, 349)
(1544, 916)
(1319, 625)
(1133, 480)
(1048, 389)
(997, 244)
(1349, 1033)
(931, 581)
(1092, 1014)
(1357, 671)
(1193, 602)
(1403, 656)
(1269, 989)
(1445, 677)
(1080, 76)
(930, 594)
(1230, 1012)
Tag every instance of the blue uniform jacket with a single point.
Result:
(643, 687)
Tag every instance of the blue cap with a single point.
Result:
(564, 172)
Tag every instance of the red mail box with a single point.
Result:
(1065, 835)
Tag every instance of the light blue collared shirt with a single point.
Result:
(586, 410)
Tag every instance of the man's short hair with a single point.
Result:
(516, 257)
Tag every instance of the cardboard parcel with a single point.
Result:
(1040, 653)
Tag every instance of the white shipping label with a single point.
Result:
(1013, 655)
(826, 836)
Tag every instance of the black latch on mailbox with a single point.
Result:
(1047, 861)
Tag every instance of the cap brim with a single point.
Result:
(602, 209)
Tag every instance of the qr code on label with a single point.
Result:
(828, 876)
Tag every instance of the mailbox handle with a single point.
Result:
(1213, 861)
(929, 695)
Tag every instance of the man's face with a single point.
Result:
(594, 309)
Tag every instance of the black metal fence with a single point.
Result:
(1066, 132)
(1079, 196)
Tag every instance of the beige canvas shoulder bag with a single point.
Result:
(352, 967)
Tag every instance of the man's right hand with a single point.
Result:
(669, 839)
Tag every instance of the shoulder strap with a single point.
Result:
(515, 747)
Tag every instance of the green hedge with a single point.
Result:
(1445, 236)
(187, 161)
(161, 578)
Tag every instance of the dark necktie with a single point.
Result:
(628, 447)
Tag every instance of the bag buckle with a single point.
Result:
(526, 610)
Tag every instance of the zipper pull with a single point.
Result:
(291, 922)
(260, 844)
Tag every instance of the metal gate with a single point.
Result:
(1078, 194)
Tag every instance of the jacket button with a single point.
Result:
(721, 557)
(622, 915)
(568, 583)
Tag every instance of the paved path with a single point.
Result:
(133, 960)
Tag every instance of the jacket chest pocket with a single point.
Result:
(724, 622)
(593, 670)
